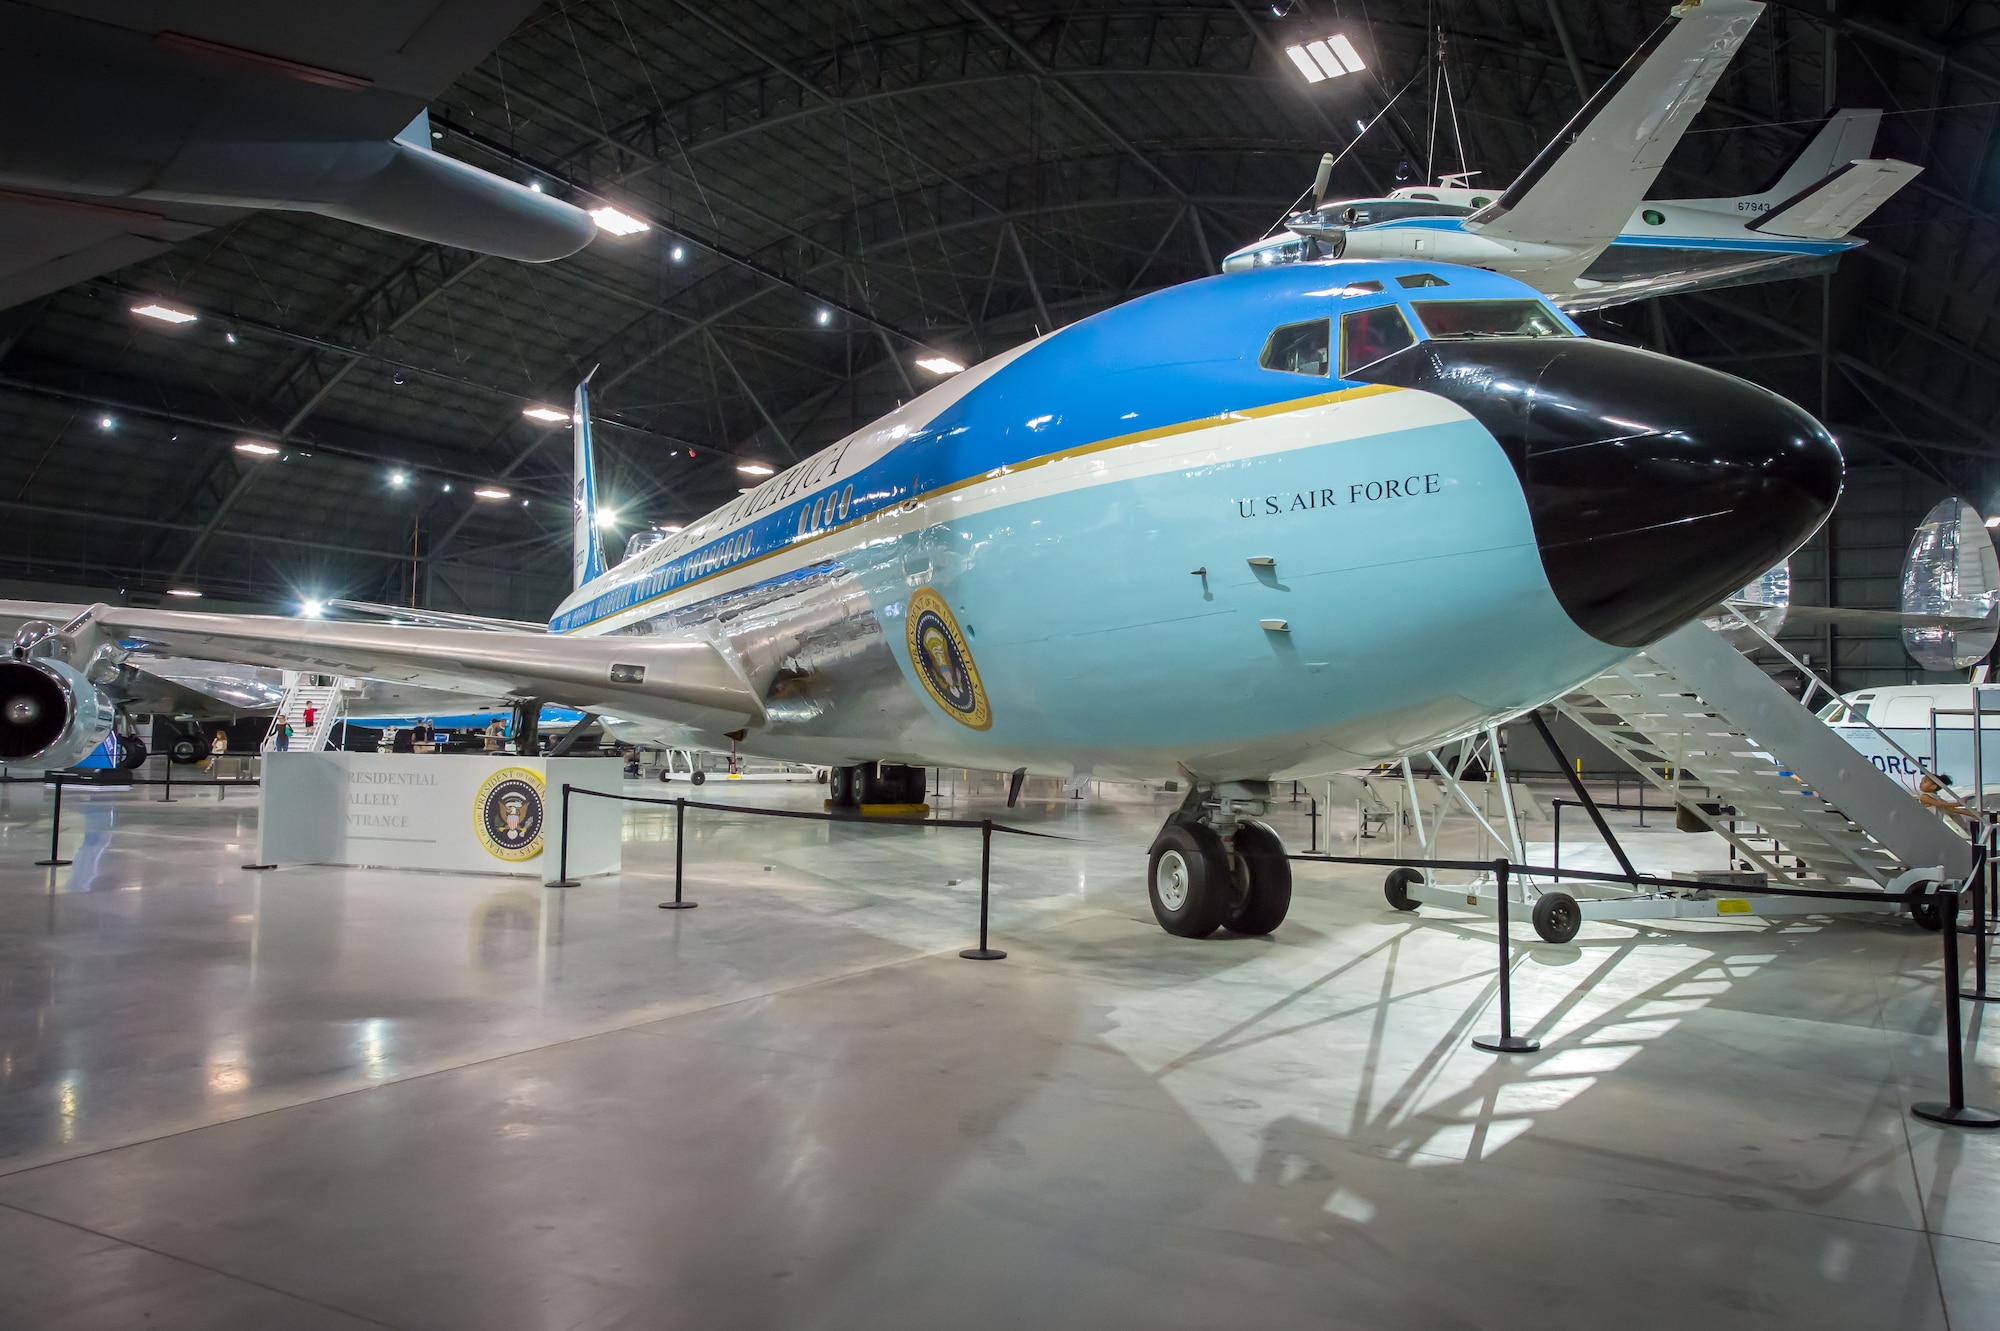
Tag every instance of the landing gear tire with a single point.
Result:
(183, 751)
(1397, 888)
(1188, 880)
(132, 753)
(665, 776)
(699, 777)
(1262, 882)
(1923, 907)
(1557, 917)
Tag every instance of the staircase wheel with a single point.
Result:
(1397, 888)
(1557, 917)
(1923, 906)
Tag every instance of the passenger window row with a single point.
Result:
(825, 511)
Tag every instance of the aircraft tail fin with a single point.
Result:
(1830, 208)
(586, 549)
(1580, 190)
(1842, 136)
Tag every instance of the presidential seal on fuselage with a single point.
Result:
(943, 662)
(508, 814)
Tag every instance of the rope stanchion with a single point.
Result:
(1953, 1112)
(1982, 861)
(55, 859)
(562, 854)
(680, 859)
(987, 827)
(1506, 1042)
(983, 952)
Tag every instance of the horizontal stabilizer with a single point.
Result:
(1580, 191)
(1836, 205)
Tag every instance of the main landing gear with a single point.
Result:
(1215, 867)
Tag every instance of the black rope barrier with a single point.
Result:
(986, 826)
(1591, 876)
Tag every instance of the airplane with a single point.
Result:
(127, 129)
(1576, 223)
(1898, 729)
(1256, 527)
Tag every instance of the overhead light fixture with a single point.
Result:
(824, 317)
(939, 364)
(230, 338)
(399, 479)
(447, 487)
(166, 314)
(491, 492)
(754, 469)
(256, 448)
(1329, 59)
(549, 414)
(188, 592)
(678, 253)
(312, 608)
(107, 422)
(535, 185)
(607, 517)
(618, 223)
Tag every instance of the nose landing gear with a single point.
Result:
(1200, 882)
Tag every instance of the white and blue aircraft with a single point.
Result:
(1258, 526)
(1576, 223)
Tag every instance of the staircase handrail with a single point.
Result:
(1814, 681)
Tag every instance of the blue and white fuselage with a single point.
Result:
(1261, 525)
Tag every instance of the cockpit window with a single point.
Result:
(643, 541)
(1411, 281)
(1367, 336)
(1489, 318)
(1362, 288)
(1298, 348)
(1366, 212)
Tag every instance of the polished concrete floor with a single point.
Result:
(342, 1098)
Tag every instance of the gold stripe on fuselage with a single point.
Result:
(1012, 468)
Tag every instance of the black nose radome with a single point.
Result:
(1656, 487)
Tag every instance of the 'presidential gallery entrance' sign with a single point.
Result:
(468, 813)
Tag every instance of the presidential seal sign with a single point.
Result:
(943, 662)
(508, 813)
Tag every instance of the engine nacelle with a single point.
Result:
(51, 717)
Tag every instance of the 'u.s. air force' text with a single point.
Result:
(1361, 492)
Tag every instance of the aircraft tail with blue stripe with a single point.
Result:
(586, 548)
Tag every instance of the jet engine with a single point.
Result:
(51, 717)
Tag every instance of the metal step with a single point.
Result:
(1691, 709)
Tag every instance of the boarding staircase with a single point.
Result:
(1693, 711)
(328, 700)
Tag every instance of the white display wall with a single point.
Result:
(467, 813)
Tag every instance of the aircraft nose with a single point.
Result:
(1656, 487)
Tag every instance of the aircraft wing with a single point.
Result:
(125, 129)
(1836, 205)
(677, 680)
(48, 242)
(1581, 189)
